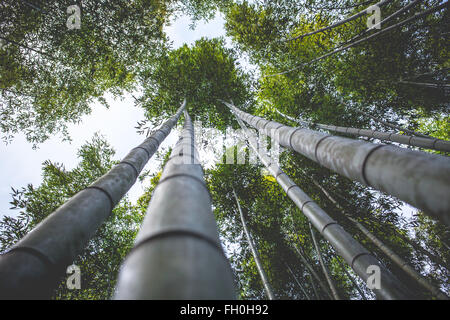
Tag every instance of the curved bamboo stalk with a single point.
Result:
(32, 267)
(418, 178)
(259, 266)
(177, 252)
(402, 264)
(352, 252)
(324, 266)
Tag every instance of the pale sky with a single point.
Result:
(21, 165)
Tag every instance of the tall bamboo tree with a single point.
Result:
(32, 267)
(177, 253)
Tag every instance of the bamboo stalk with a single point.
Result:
(416, 246)
(418, 178)
(259, 266)
(416, 140)
(32, 267)
(177, 252)
(324, 267)
(427, 143)
(352, 252)
(298, 282)
(314, 274)
(402, 264)
(350, 44)
(341, 22)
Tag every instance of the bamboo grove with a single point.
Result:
(359, 117)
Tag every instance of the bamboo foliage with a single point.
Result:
(414, 141)
(418, 178)
(32, 267)
(349, 249)
(177, 252)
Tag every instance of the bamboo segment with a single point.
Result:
(177, 253)
(32, 267)
(418, 178)
(358, 258)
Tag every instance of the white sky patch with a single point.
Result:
(179, 32)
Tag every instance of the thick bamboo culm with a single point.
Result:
(418, 178)
(32, 267)
(259, 266)
(414, 141)
(177, 252)
(427, 143)
(358, 258)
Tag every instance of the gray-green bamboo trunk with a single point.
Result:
(324, 266)
(353, 253)
(418, 178)
(177, 253)
(298, 282)
(32, 268)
